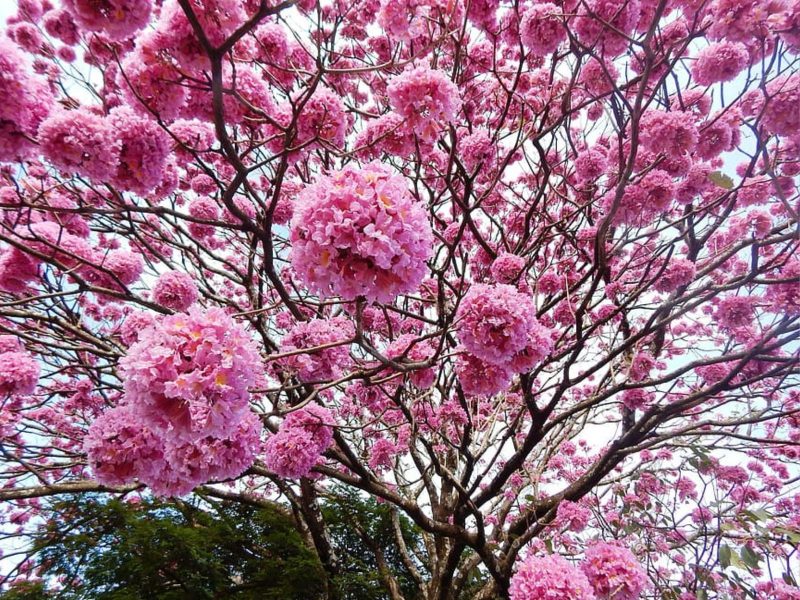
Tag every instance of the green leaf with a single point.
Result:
(721, 180)
(750, 558)
(725, 556)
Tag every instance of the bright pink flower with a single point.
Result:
(302, 438)
(498, 325)
(385, 134)
(679, 272)
(673, 132)
(735, 311)
(117, 19)
(721, 61)
(318, 365)
(549, 578)
(413, 349)
(120, 449)
(17, 270)
(426, 99)
(143, 151)
(175, 290)
(479, 378)
(203, 208)
(135, 323)
(323, 119)
(614, 572)
(541, 29)
(79, 141)
(507, 268)
(359, 232)
(188, 374)
(602, 22)
(19, 373)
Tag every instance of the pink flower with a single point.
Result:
(541, 29)
(479, 378)
(19, 373)
(302, 438)
(322, 118)
(135, 323)
(497, 325)
(359, 232)
(426, 99)
(120, 449)
(143, 151)
(721, 61)
(413, 349)
(614, 572)
(679, 272)
(549, 578)
(673, 132)
(318, 365)
(385, 134)
(188, 374)
(175, 290)
(203, 208)
(735, 311)
(507, 268)
(118, 19)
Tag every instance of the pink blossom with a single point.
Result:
(673, 132)
(203, 208)
(359, 232)
(497, 325)
(143, 151)
(120, 449)
(479, 378)
(19, 373)
(302, 438)
(426, 99)
(318, 365)
(721, 61)
(678, 272)
(541, 29)
(507, 268)
(135, 323)
(413, 349)
(175, 290)
(735, 311)
(118, 19)
(614, 572)
(549, 578)
(188, 374)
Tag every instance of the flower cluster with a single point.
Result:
(318, 365)
(613, 572)
(117, 19)
(302, 438)
(426, 99)
(549, 578)
(175, 290)
(359, 232)
(498, 326)
(541, 29)
(719, 62)
(19, 371)
(188, 374)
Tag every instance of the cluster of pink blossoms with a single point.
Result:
(318, 365)
(608, 572)
(189, 373)
(541, 29)
(118, 19)
(185, 415)
(175, 290)
(360, 232)
(19, 371)
(426, 99)
(302, 438)
(497, 325)
(719, 62)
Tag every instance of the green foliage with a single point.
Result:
(114, 550)
(361, 526)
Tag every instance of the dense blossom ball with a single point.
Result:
(135, 323)
(117, 19)
(188, 374)
(507, 268)
(605, 22)
(479, 378)
(679, 272)
(79, 141)
(498, 325)
(359, 232)
(426, 98)
(203, 208)
(735, 311)
(143, 151)
(549, 578)
(318, 365)
(541, 29)
(302, 438)
(26, 102)
(719, 62)
(323, 118)
(613, 572)
(670, 132)
(17, 270)
(19, 373)
(175, 290)
(120, 449)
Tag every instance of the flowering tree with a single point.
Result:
(527, 273)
